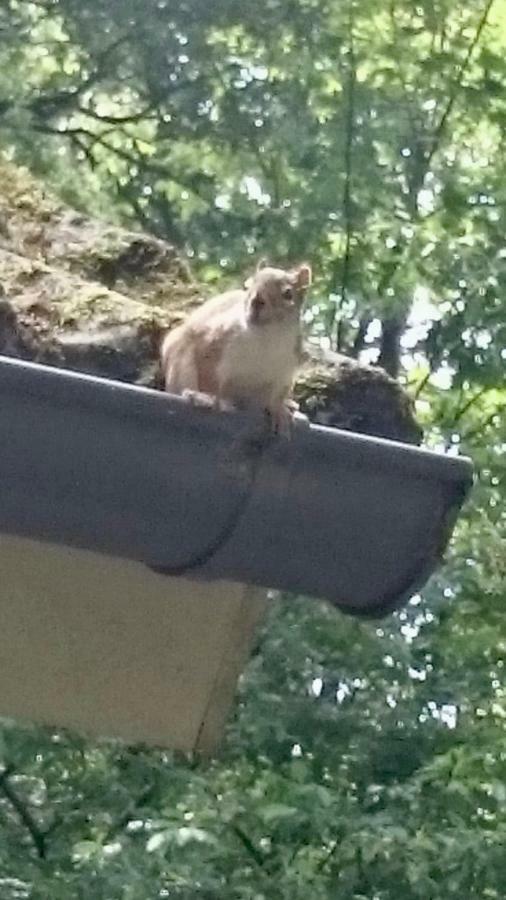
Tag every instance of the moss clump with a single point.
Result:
(85, 294)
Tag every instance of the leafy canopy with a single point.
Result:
(365, 761)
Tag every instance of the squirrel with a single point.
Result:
(243, 347)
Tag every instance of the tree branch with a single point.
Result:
(347, 199)
(438, 134)
(359, 339)
(56, 102)
(143, 162)
(37, 835)
(391, 333)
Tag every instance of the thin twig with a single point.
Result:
(467, 405)
(122, 821)
(82, 147)
(483, 424)
(131, 197)
(248, 844)
(144, 115)
(245, 840)
(422, 384)
(458, 83)
(326, 859)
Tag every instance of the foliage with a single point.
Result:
(365, 761)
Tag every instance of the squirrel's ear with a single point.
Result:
(303, 275)
(261, 265)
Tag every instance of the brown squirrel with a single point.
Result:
(242, 347)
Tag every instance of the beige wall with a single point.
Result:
(112, 649)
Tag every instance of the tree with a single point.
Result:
(365, 760)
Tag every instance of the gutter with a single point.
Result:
(141, 475)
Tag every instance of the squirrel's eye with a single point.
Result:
(288, 293)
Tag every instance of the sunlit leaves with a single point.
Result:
(365, 761)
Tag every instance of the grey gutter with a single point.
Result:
(135, 473)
